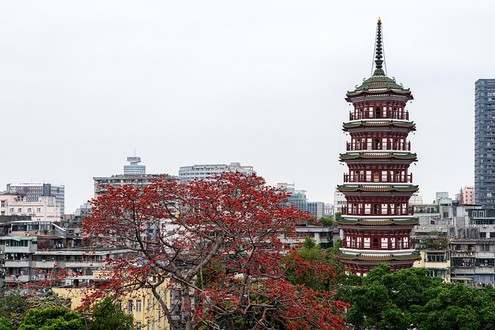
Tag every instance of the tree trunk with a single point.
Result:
(187, 310)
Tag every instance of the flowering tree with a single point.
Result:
(218, 244)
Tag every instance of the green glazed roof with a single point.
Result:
(380, 84)
(368, 188)
(384, 123)
(371, 222)
(367, 155)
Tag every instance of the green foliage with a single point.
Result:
(107, 315)
(5, 324)
(410, 298)
(309, 243)
(52, 318)
(13, 306)
(334, 250)
(327, 221)
(49, 300)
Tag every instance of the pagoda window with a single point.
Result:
(384, 209)
(377, 144)
(378, 113)
(366, 242)
(347, 241)
(384, 176)
(399, 243)
(384, 243)
(376, 177)
(385, 112)
(392, 243)
(376, 209)
(367, 208)
(360, 242)
(353, 242)
(397, 176)
(406, 243)
(376, 243)
(368, 176)
(395, 145)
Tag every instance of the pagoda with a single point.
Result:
(377, 219)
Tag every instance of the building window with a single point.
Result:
(2, 203)
(138, 305)
(129, 306)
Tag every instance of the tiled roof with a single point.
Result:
(379, 84)
(376, 188)
(365, 155)
(384, 123)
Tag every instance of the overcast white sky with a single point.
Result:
(84, 83)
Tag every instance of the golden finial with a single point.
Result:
(379, 19)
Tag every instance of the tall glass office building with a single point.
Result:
(484, 140)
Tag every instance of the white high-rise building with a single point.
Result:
(134, 175)
(134, 167)
(188, 173)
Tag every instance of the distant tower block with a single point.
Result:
(133, 167)
(377, 219)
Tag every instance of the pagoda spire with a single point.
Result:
(378, 50)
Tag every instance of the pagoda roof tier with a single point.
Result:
(378, 156)
(386, 257)
(376, 222)
(411, 126)
(379, 84)
(377, 188)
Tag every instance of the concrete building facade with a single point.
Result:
(33, 191)
(484, 142)
(206, 171)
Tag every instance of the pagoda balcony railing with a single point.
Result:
(369, 179)
(346, 210)
(366, 115)
(380, 147)
(393, 246)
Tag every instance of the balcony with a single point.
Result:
(389, 147)
(461, 254)
(377, 179)
(17, 263)
(391, 115)
(18, 249)
(45, 264)
(346, 210)
(17, 278)
(83, 264)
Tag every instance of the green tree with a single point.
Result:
(13, 306)
(410, 298)
(5, 324)
(52, 318)
(387, 300)
(107, 315)
(327, 221)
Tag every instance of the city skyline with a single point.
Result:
(84, 84)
